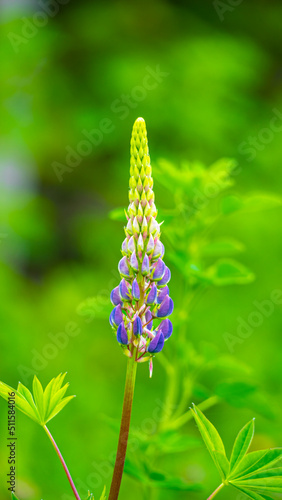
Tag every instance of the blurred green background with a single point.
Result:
(207, 80)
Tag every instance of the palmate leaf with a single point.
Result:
(42, 405)
(256, 461)
(270, 481)
(252, 494)
(242, 444)
(251, 473)
(212, 440)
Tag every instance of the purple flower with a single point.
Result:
(165, 308)
(116, 316)
(166, 327)
(157, 343)
(158, 250)
(124, 290)
(115, 296)
(124, 246)
(123, 267)
(134, 261)
(122, 337)
(150, 244)
(142, 302)
(159, 270)
(131, 245)
(151, 299)
(166, 277)
(137, 326)
(148, 317)
(135, 290)
(145, 265)
(162, 293)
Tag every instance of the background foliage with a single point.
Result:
(59, 246)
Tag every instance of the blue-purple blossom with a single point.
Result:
(115, 296)
(158, 250)
(135, 290)
(149, 320)
(145, 265)
(165, 308)
(166, 277)
(152, 295)
(122, 337)
(124, 290)
(123, 267)
(137, 326)
(116, 316)
(159, 270)
(142, 296)
(134, 262)
(157, 343)
(162, 293)
(166, 327)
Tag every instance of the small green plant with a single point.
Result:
(252, 473)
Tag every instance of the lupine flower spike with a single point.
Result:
(142, 298)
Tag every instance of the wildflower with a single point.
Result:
(142, 297)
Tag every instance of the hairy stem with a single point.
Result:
(62, 462)
(124, 427)
(216, 491)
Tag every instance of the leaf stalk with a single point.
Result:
(216, 491)
(62, 462)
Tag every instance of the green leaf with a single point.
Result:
(270, 484)
(212, 440)
(229, 272)
(222, 462)
(254, 203)
(21, 402)
(38, 396)
(255, 461)
(48, 395)
(59, 407)
(242, 444)
(222, 247)
(277, 471)
(42, 406)
(243, 394)
(174, 442)
(251, 494)
(262, 201)
(14, 497)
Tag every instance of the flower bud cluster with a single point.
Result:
(142, 302)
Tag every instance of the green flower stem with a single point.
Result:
(62, 462)
(208, 403)
(216, 491)
(124, 427)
